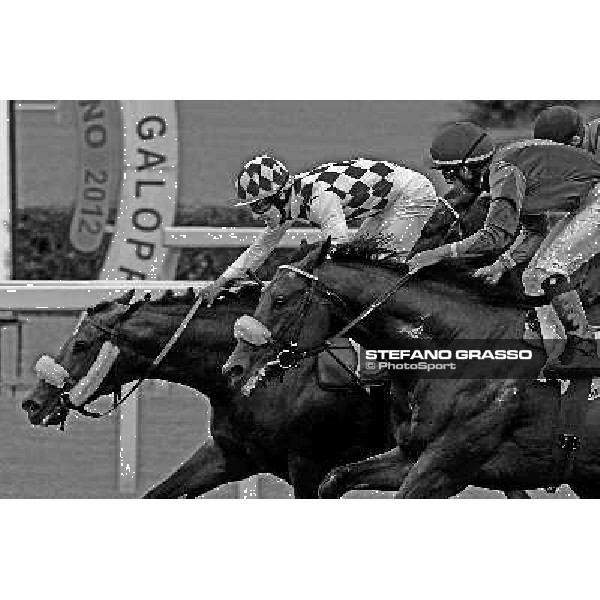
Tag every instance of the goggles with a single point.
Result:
(450, 174)
(261, 206)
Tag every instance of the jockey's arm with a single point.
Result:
(257, 253)
(507, 186)
(531, 235)
(326, 210)
(443, 217)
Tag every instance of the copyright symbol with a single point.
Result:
(370, 365)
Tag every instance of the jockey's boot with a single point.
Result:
(579, 359)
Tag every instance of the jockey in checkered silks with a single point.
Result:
(527, 180)
(393, 202)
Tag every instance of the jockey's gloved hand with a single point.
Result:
(212, 291)
(491, 274)
(426, 259)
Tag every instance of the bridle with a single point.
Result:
(112, 335)
(290, 355)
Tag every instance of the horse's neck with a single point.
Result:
(455, 311)
(452, 311)
(196, 358)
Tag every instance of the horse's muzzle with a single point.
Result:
(46, 414)
(234, 374)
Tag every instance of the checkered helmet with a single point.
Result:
(261, 177)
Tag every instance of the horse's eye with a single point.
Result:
(279, 300)
(80, 345)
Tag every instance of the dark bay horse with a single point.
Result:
(496, 431)
(294, 429)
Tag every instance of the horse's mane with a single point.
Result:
(376, 252)
(247, 290)
(373, 250)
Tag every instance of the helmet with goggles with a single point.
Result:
(461, 148)
(461, 144)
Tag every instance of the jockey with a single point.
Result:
(565, 125)
(391, 200)
(528, 179)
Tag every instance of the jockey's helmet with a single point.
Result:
(559, 124)
(260, 180)
(461, 144)
(462, 151)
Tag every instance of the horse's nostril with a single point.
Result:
(235, 371)
(28, 405)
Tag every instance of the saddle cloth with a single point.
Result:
(333, 376)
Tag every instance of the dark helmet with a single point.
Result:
(558, 124)
(461, 144)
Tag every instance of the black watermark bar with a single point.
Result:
(468, 359)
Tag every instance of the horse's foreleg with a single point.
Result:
(209, 467)
(384, 472)
(431, 477)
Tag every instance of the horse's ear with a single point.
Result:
(126, 298)
(325, 248)
(302, 252)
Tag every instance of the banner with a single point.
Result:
(99, 171)
(5, 191)
(148, 193)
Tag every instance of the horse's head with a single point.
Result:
(82, 370)
(277, 331)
